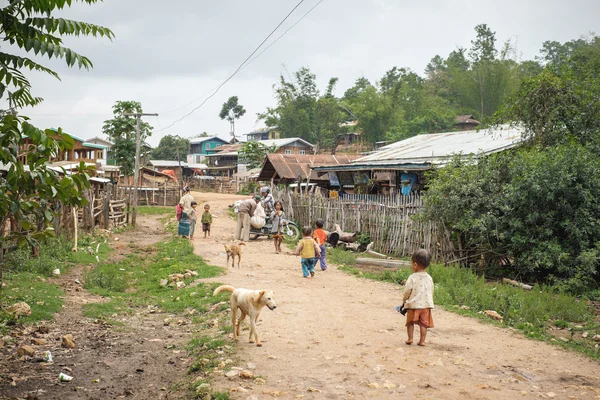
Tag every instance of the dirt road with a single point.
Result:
(338, 337)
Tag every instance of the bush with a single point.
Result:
(535, 211)
(52, 255)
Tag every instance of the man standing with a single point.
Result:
(245, 212)
(267, 200)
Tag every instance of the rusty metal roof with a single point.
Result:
(290, 166)
(466, 119)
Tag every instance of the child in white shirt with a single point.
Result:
(418, 297)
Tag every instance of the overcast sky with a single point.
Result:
(167, 54)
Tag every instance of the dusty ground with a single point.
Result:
(129, 362)
(332, 337)
(338, 337)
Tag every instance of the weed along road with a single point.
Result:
(338, 336)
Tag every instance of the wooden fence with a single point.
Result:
(390, 221)
(150, 196)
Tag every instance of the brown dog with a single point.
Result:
(232, 251)
(250, 303)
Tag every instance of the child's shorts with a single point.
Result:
(205, 227)
(421, 317)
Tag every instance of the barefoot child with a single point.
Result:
(321, 237)
(308, 248)
(193, 217)
(206, 220)
(418, 297)
(277, 217)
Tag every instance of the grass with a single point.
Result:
(45, 299)
(134, 282)
(537, 313)
(155, 210)
(25, 276)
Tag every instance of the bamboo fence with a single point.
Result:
(390, 221)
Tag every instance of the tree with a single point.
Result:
(29, 190)
(30, 26)
(171, 148)
(231, 111)
(253, 153)
(121, 131)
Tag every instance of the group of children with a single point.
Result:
(312, 249)
(205, 220)
(417, 297)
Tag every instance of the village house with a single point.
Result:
(400, 167)
(201, 147)
(107, 147)
(288, 169)
(263, 134)
(466, 123)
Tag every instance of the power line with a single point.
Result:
(238, 68)
(283, 34)
(251, 61)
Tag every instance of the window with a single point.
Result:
(288, 151)
(207, 146)
(302, 152)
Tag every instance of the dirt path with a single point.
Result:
(338, 337)
(109, 362)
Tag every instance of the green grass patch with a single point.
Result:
(155, 210)
(45, 299)
(134, 280)
(537, 313)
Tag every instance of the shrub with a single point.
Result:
(534, 210)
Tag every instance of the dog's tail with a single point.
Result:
(241, 244)
(223, 288)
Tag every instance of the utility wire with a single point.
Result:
(238, 68)
(283, 34)
(251, 61)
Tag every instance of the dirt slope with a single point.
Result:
(338, 337)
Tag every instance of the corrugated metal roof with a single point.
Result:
(167, 163)
(466, 119)
(290, 166)
(197, 166)
(437, 148)
(423, 151)
(284, 142)
(204, 139)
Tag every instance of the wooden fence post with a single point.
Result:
(107, 194)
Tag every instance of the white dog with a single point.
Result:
(250, 302)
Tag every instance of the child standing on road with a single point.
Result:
(206, 220)
(277, 218)
(308, 248)
(418, 297)
(321, 237)
(193, 214)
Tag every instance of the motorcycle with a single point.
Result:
(289, 229)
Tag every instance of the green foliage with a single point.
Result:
(121, 130)
(45, 299)
(232, 111)
(534, 210)
(171, 147)
(143, 271)
(302, 112)
(253, 153)
(29, 25)
(30, 191)
(155, 210)
(562, 103)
